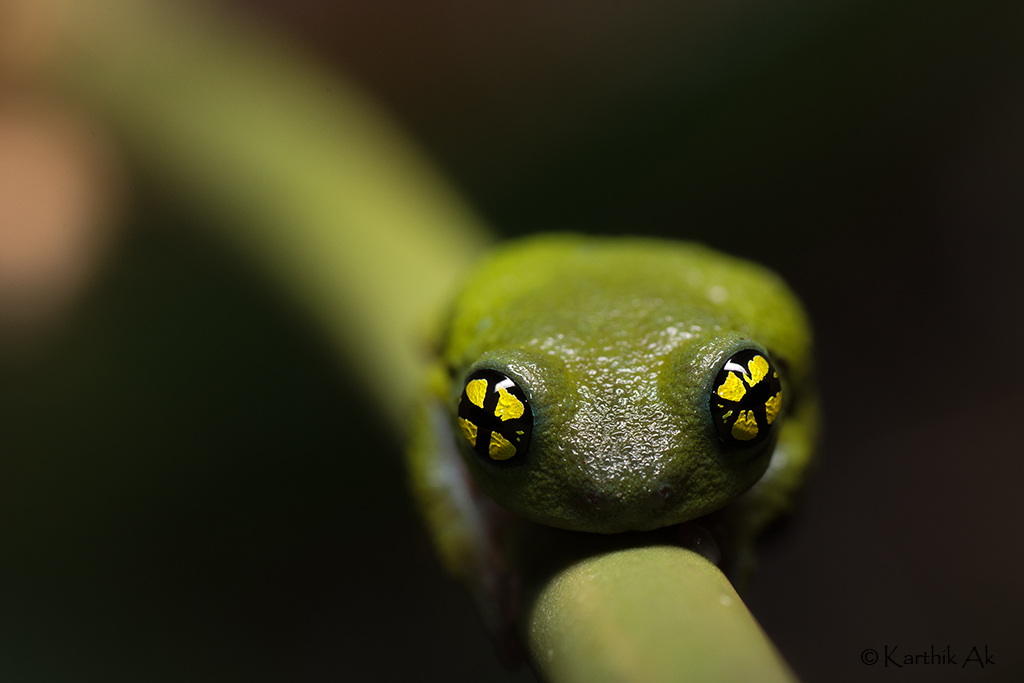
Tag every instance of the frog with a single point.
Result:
(611, 387)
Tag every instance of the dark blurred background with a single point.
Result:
(192, 489)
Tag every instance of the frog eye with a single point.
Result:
(495, 417)
(746, 398)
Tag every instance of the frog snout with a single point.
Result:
(631, 508)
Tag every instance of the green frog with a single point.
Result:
(611, 386)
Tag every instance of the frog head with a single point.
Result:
(607, 390)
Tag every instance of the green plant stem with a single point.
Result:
(654, 614)
(293, 163)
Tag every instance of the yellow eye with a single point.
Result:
(495, 418)
(746, 398)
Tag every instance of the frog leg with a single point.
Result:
(463, 524)
(773, 497)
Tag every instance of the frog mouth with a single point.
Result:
(695, 536)
(551, 548)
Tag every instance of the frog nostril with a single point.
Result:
(665, 492)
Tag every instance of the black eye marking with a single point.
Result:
(495, 417)
(746, 398)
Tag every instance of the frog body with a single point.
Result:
(611, 385)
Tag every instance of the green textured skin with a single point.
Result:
(616, 343)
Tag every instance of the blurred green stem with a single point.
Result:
(293, 162)
(649, 614)
(312, 179)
